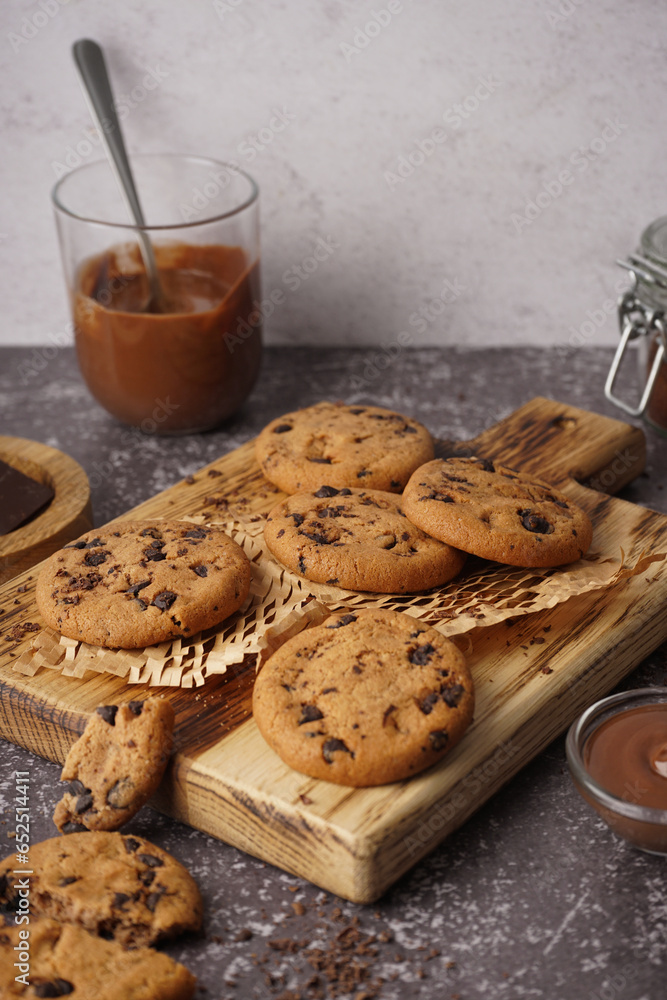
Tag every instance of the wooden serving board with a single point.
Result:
(533, 675)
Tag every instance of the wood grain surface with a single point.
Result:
(533, 675)
(67, 516)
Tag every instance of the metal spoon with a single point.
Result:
(89, 60)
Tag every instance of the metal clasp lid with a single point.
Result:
(636, 319)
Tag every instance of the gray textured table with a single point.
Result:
(533, 897)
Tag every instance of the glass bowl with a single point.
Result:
(642, 826)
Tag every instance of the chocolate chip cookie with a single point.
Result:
(496, 512)
(363, 446)
(116, 765)
(357, 539)
(136, 583)
(364, 699)
(64, 960)
(117, 886)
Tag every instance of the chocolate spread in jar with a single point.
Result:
(182, 370)
(627, 755)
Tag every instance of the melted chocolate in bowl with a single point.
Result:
(180, 371)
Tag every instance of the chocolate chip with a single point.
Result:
(96, 558)
(345, 492)
(147, 878)
(76, 787)
(364, 472)
(330, 747)
(409, 430)
(131, 844)
(427, 704)
(53, 988)
(151, 860)
(320, 461)
(443, 498)
(84, 582)
(121, 794)
(151, 533)
(452, 695)
(154, 898)
(136, 587)
(154, 555)
(387, 713)
(200, 570)
(72, 827)
(298, 519)
(355, 413)
(282, 428)
(533, 522)
(309, 713)
(83, 804)
(438, 739)
(119, 899)
(333, 581)
(329, 690)
(405, 536)
(136, 707)
(108, 713)
(395, 485)
(345, 620)
(164, 600)
(455, 479)
(485, 464)
(326, 491)
(331, 511)
(142, 604)
(421, 654)
(316, 537)
(68, 880)
(75, 545)
(301, 565)
(195, 533)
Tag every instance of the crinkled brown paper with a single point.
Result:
(280, 604)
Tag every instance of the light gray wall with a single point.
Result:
(542, 125)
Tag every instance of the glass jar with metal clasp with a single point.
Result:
(642, 317)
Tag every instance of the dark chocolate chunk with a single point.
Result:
(321, 461)
(485, 464)
(108, 713)
(442, 497)
(120, 899)
(333, 581)
(84, 582)
(364, 472)
(298, 519)
(164, 600)
(76, 545)
(147, 878)
(355, 413)
(452, 694)
(395, 485)
(83, 804)
(151, 533)
(131, 844)
(309, 713)
(409, 430)
(316, 537)
(345, 492)
(330, 746)
(536, 523)
(142, 604)
(68, 880)
(301, 565)
(21, 498)
(421, 654)
(426, 704)
(282, 428)
(387, 713)
(136, 587)
(96, 558)
(51, 988)
(77, 787)
(438, 739)
(154, 898)
(151, 860)
(154, 554)
(72, 827)
(326, 491)
(345, 620)
(120, 795)
(136, 707)
(200, 570)
(195, 533)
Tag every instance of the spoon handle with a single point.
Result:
(89, 60)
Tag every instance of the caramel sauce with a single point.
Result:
(182, 370)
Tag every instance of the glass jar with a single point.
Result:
(642, 313)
